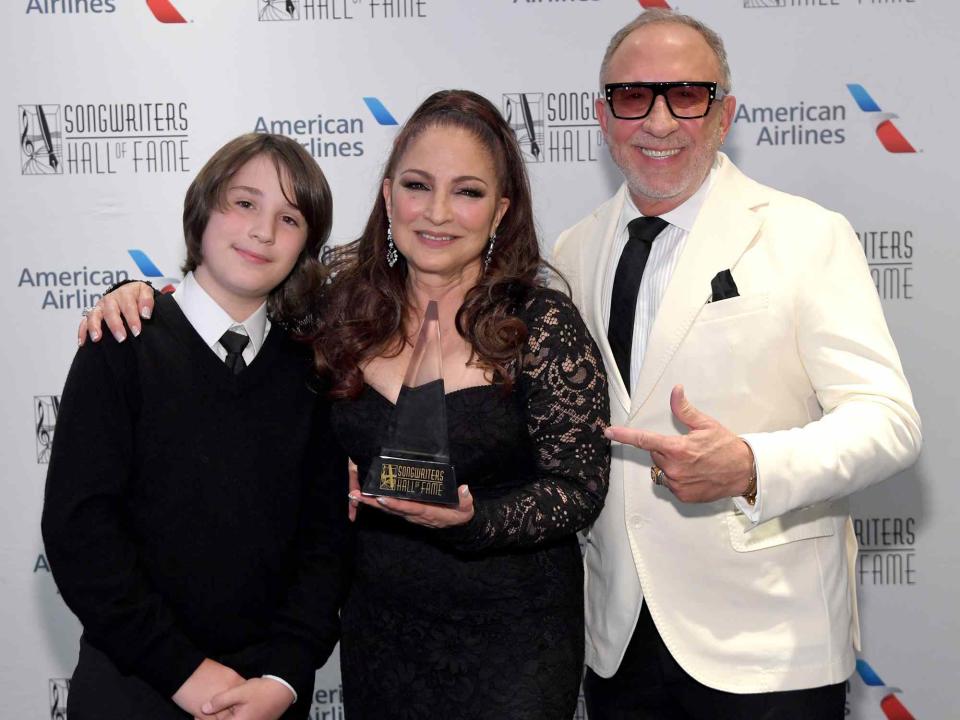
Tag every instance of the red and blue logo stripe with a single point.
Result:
(890, 704)
(889, 135)
(165, 12)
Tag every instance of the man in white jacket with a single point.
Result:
(752, 379)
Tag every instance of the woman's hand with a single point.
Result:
(353, 488)
(426, 514)
(129, 302)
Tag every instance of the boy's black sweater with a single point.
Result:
(191, 512)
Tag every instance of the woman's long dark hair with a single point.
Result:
(366, 305)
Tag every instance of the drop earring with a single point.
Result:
(392, 254)
(489, 256)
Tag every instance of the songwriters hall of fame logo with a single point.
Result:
(41, 140)
(321, 10)
(524, 114)
(270, 10)
(59, 690)
(45, 411)
(555, 127)
(100, 138)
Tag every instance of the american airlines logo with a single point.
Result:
(889, 135)
(879, 693)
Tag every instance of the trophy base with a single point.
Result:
(419, 480)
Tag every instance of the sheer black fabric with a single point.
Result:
(485, 620)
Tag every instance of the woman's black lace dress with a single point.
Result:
(485, 620)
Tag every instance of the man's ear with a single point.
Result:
(729, 107)
(601, 108)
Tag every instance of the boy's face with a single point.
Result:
(250, 245)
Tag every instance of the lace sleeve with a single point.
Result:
(563, 388)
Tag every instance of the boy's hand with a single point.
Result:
(256, 699)
(209, 679)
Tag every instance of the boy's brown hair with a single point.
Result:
(291, 301)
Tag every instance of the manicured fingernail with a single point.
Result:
(464, 490)
(95, 335)
(382, 501)
(120, 337)
(79, 342)
(145, 313)
(136, 331)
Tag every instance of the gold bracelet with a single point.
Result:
(751, 493)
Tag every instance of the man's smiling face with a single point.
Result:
(665, 160)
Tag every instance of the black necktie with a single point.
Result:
(234, 343)
(626, 285)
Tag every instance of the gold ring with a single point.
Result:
(657, 475)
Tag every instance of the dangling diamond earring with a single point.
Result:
(486, 260)
(392, 254)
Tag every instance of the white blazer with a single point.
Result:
(803, 367)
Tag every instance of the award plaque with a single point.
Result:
(414, 461)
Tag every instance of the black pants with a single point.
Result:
(651, 685)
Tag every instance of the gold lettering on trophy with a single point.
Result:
(388, 477)
(412, 479)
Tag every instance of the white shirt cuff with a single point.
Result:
(283, 682)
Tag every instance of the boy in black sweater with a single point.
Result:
(194, 515)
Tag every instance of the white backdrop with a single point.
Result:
(110, 106)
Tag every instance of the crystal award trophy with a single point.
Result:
(414, 461)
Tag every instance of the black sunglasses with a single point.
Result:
(685, 100)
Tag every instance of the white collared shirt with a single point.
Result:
(664, 254)
(211, 321)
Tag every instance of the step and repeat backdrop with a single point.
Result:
(110, 106)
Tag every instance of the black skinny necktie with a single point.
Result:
(626, 285)
(234, 343)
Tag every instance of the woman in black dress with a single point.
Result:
(473, 611)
